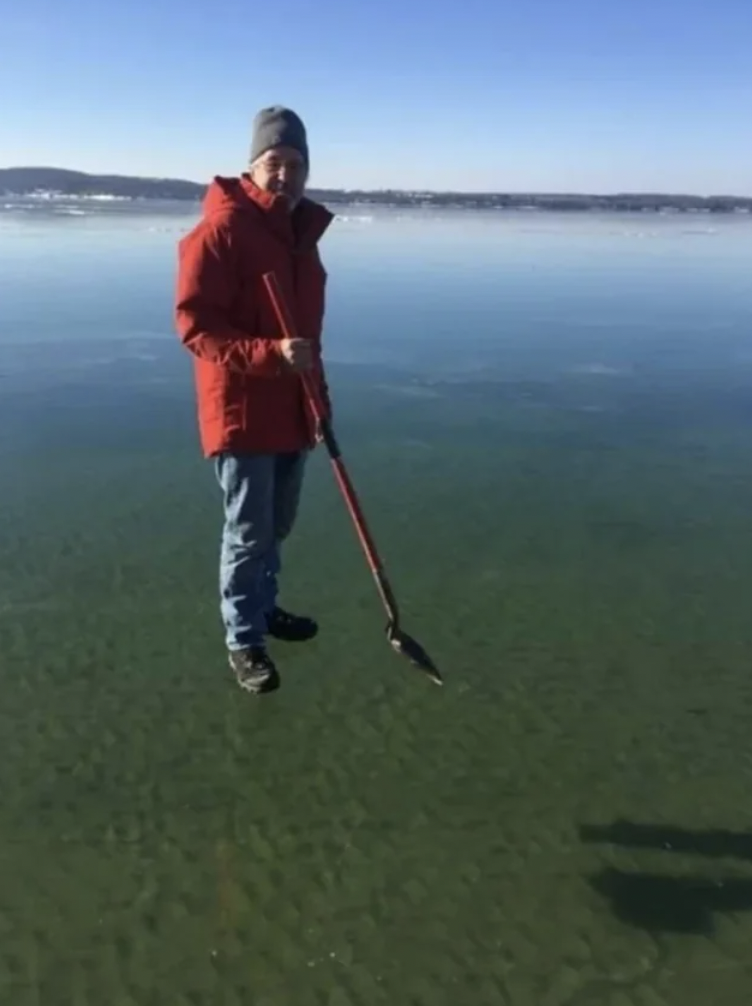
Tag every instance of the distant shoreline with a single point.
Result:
(53, 184)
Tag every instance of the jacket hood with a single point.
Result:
(231, 195)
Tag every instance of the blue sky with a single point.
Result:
(555, 95)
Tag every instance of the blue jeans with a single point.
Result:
(261, 498)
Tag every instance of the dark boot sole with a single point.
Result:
(258, 688)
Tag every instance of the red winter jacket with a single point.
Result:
(249, 399)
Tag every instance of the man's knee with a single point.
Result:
(287, 495)
(247, 483)
(247, 540)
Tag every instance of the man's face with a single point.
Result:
(282, 170)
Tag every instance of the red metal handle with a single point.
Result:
(289, 330)
(287, 324)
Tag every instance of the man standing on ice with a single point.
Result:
(253, 420)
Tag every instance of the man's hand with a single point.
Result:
(298, 353)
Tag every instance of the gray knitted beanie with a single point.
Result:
(278, 126)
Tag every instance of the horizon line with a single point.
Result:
(615, 194)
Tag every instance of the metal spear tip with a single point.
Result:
(408, 647)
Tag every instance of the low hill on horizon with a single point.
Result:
(29, 181)
(50, 182)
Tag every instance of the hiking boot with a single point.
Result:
(254, 669)
(290, 628)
